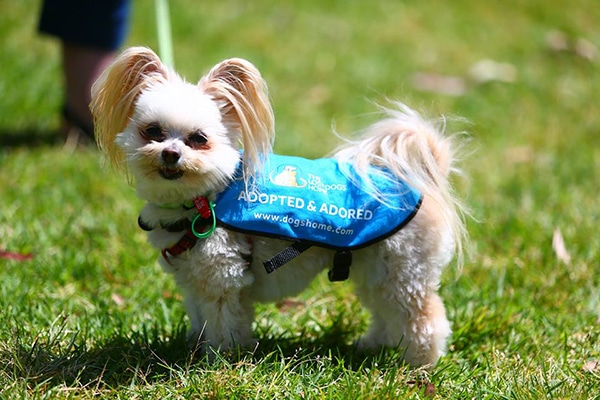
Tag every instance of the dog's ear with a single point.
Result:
(115, 92)
(242, 94)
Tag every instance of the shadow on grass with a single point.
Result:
(116, 361)
(29, 137)
(154, 357)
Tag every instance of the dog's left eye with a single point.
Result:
(153, 132)
(196, 140)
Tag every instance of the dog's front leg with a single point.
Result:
(227, 324)
(214, 287)
(218, 320)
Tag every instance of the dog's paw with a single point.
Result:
(251, 344)
(229, 351)
(196, 341)
(368, 344)
(198, 344)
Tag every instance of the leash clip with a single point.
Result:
(206, 210)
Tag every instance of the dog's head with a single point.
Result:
(178, 140)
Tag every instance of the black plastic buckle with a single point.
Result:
(342, 260)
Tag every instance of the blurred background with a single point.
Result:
(521, 78)
(507, 68)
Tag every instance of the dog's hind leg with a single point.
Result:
(417, 325)
(400, 291)
(427, 331)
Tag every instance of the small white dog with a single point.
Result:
(200, 156)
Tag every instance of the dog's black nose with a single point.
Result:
(170, 155)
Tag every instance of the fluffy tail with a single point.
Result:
(417, 152)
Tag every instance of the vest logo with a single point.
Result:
(288, 175)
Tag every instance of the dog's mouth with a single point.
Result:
(170, 173)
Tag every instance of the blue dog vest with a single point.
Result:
(317, 203)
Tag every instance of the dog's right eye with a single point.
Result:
(153, 132)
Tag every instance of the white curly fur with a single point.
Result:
(396, 279)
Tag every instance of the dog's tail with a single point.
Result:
(416, 151)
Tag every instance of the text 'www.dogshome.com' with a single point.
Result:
(303, 223)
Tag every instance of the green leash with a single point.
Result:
(163, 23)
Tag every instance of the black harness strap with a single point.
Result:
(342, 260)
(287, 254)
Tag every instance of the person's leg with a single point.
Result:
(81, 67)
(90, 32)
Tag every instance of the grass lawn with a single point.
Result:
(88, 313)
